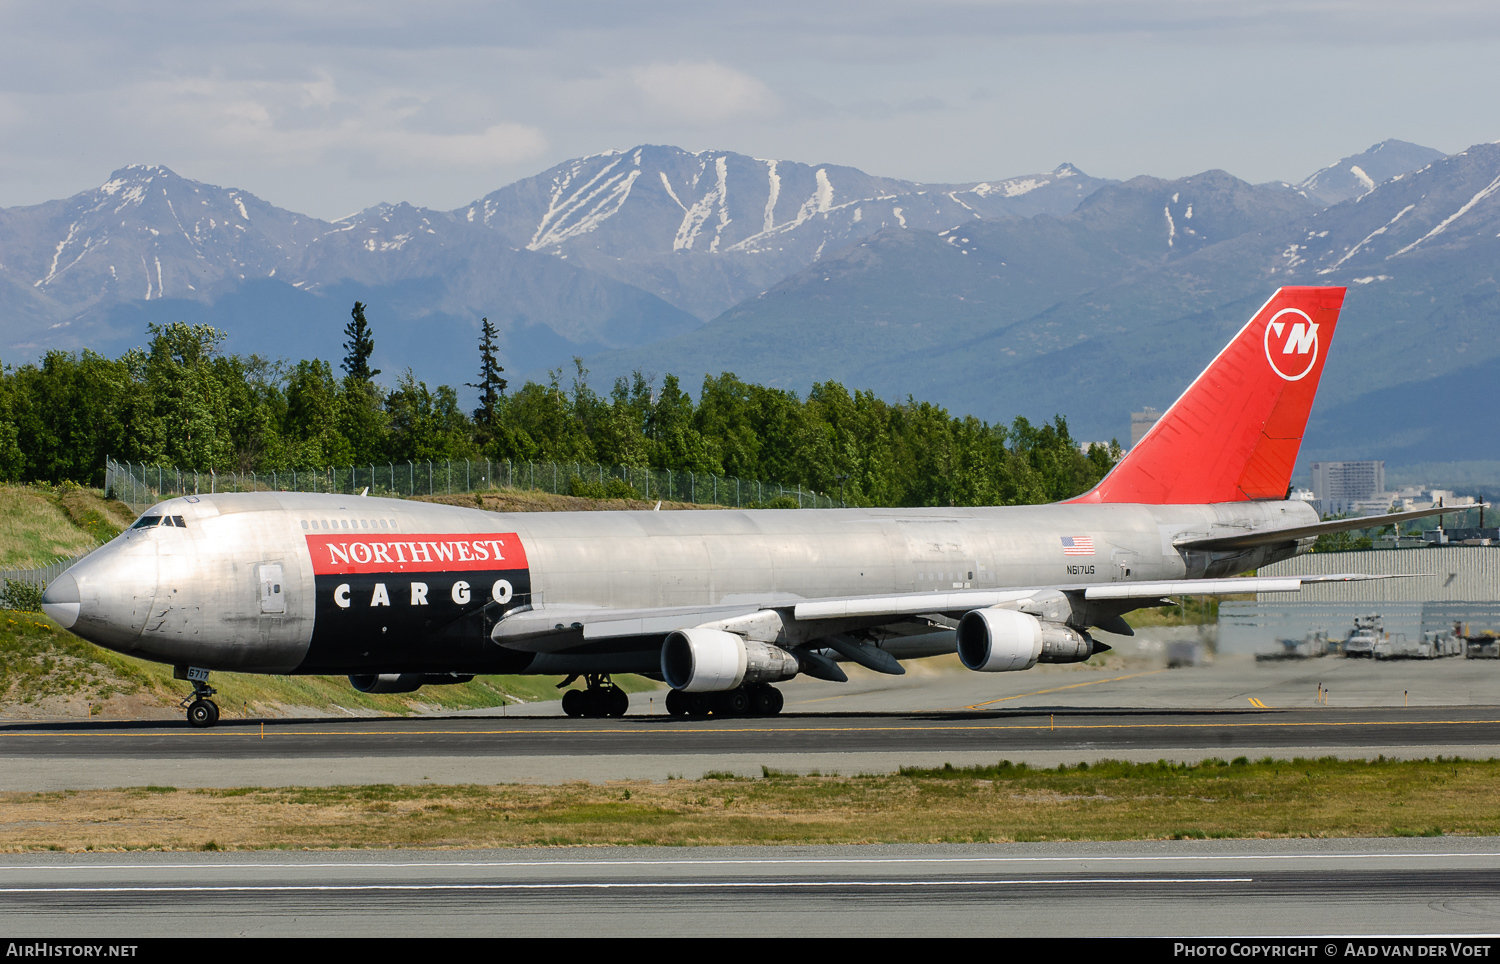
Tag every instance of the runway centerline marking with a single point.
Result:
(1059, 689)
(741, 861)
(616, 885)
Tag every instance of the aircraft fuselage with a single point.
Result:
(330, 584)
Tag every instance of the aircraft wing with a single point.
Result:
(553, 628)
(547, 628)
(1249, 540)
(962, 601)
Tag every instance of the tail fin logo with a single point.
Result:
(1289, 342)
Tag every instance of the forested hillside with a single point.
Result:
(182, 401)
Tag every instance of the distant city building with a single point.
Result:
(1140, 424)
(1306, 495)
(1340, 486)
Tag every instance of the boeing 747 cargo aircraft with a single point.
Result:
(721, 605)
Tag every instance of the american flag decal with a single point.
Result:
(1077, 546)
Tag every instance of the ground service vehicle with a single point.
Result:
(722, 605)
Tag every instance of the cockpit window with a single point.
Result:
(147, 521)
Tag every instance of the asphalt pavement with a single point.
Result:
(1131, 708)
(1168, 888)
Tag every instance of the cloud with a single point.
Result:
(312, 121)
(701, 93)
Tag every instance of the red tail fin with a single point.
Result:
(1234, 434)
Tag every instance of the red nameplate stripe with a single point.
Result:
(434, 552)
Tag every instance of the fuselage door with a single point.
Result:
(1124, 562)
(272, 588)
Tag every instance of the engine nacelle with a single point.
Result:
(710, 660)
(1003, 641)
(402, 682)
(999, 640)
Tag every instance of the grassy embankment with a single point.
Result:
(45, 671)
(1108, 801)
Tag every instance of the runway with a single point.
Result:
(1178, 888)
(491, 750)
(1131, 708)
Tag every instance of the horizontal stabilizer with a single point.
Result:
(1217, 587)
(1272, 536)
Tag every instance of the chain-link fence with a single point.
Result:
(41, 577)
(140, 485)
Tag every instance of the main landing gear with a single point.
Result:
(754, 699)
(601, 698)
(201, 711)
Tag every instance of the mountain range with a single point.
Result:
(1118, 304)
(613, 250)
(1054, 292)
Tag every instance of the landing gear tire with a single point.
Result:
(758, 699)
(202, 713)
(683, 703)
(735, 702)
(601, 698)
(766, 700)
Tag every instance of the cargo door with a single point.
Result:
(272, 589)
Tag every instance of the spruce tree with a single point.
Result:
(359, 347)
(491, 386)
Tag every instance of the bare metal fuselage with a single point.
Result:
(197, 594)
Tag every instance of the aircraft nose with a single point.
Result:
(106, 596)
(61, 600)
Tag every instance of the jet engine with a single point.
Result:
(710, 660)
(402, 682)
(1003, 641)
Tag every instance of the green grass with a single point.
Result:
(36, 530)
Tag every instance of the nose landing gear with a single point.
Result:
(201, 711)
(601, 698)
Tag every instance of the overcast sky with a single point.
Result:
(327, 108)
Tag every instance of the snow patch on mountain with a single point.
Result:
(572, 213)
(1443, 225)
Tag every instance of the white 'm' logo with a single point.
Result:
(1286, 349)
